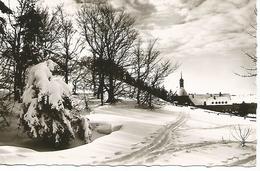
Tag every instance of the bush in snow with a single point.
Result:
(47, 108)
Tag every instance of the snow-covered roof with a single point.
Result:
(220, 100)
(198, 99)
(217, 99)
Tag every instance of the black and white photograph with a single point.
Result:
(128, 83)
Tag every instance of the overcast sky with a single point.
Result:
(207, 37)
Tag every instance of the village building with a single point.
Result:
(222, 102)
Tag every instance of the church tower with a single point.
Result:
(181, 82)
(182, 91)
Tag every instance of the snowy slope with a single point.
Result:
(167, 136)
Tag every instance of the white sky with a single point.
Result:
(206, 36)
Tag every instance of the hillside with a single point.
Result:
(167, 136)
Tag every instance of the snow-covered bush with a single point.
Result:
(47, 107)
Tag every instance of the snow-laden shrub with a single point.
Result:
(47, 107)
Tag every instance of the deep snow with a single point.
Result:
(167, 136)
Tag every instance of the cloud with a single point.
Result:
(205, 34)
(144, 8)
(205, 26)
(201, 34)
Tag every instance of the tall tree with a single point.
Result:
(70, 45)
(21, 40)
(25, 42)
(110, 35)
(149, 68)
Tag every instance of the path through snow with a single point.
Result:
(167, 136)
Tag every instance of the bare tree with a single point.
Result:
(150, 68)
(70, 47)
(110, 36)
(81, 74)
(250, 71)
(241, 134)
(87, 20)
(160, 72)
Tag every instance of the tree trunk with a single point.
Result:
(138, 96)
(74, 90)
(138, 80)
(67, 69)
(16, 90)
(18, 83)
(111, 96)
(95, 93)
(150, 101)
(66, 77)
(100, 92)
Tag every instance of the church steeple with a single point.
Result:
(182, 91)
(181, 82)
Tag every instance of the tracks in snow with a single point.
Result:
(162, 140)
(243, 161)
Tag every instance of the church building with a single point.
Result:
(182, 97)
(181, 91)
(221, 102)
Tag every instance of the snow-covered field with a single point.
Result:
(167, 136)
